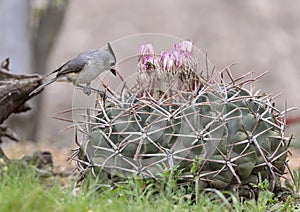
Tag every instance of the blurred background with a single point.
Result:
(40, 35)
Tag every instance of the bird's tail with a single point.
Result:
(43, 85)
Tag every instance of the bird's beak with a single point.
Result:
(113, 71)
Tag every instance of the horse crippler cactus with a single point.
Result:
(179, 116)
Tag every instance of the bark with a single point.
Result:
(15, 90)
(14, 93)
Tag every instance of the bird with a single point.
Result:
(84, 68)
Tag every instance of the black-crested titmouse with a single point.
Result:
(84, 68)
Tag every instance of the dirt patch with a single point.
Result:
(294, 159)
(60, 155)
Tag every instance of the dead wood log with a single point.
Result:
(14, 93)
(15, 90)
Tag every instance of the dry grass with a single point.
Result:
(294, 159)
(60, 155)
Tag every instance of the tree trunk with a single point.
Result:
(50, 22)
(15, 37)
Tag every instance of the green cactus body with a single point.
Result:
(174, 119)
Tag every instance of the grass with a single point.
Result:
(22, 190)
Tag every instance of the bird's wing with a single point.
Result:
(76, 64)
(57, 70)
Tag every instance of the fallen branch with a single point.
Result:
(14, 90)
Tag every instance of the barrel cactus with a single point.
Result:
(177, 116)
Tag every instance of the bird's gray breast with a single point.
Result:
(96, 64)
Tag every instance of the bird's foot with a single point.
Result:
(87, 90)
